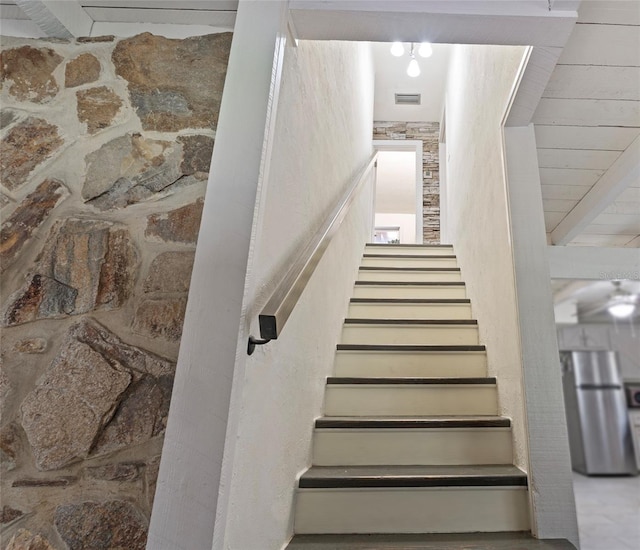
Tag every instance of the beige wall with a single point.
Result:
(322, 140)
(480, 81)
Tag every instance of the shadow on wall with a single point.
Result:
(105, 151)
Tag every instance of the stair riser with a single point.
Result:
(410, 335)
(389, 363)
(409, 311)
(409, 262)
(414, 400)
(405, 292)
(369, 447)
(410, 276)
(410, 250)
(413, 510)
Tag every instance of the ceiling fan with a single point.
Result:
(622, 304)
(619, 303)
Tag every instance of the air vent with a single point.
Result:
(407, 99)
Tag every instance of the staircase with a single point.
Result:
(411, 441)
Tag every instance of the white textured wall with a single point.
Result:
(322, 139)
(396, 182)
(496, 226)
(550, 478)
(480, 81)
(201, 421)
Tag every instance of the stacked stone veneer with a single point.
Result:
(429, 133)
(104, 156)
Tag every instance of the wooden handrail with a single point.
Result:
(275, 313)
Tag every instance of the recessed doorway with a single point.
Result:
(398, 197)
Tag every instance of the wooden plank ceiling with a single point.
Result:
(589, 115)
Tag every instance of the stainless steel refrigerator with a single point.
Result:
(597, 419)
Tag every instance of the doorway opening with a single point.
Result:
(398, 196)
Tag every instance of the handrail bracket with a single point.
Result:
(253, 342)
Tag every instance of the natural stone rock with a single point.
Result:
(26, 146)
(76, 397)
(29, 71)
(10, 446)
(137, 360)
(170, 272)
(89, 39)
(26, 540)
(197, 155)
(27, 482)
(174, 84)
(111, 525)
(180, 225)
(83, 69)
(130, 169)
(160, 318)
(123, 471)
(41, 298)
(7, 117)
(30, 345)
(5, 390)
(97, 107)
(85, 265)
(141, 416)
(27, 217)
(8, 514)
(98, 395)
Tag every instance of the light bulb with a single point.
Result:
(425, 50)
(413, 69)
(397, 49)
(621, 310)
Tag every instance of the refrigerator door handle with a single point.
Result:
(598, 387)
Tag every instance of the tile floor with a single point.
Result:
(608, 512)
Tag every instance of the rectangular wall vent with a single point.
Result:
(407, 99)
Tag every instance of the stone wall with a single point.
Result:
(104, 153)
(429, 133)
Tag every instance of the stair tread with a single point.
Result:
(412, 476)
(421, 256)
(383, 347)
(406, 380)
(410, 269)
(372, 321)
(410, 300)
(410, 283)
(377, 422)
(400, 245)
(431, 541)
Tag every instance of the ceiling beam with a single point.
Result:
(635, 243)
(58, 18)
(437, 21)
(624, 171)
(534, 80)
(593, 263)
